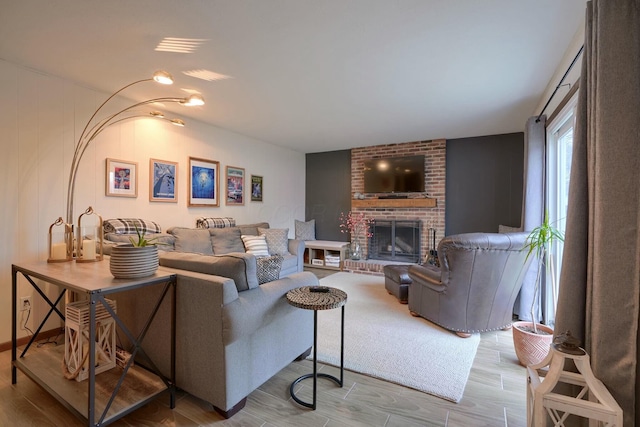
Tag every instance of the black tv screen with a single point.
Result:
(394, 175)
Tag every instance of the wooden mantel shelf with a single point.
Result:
(394, 203)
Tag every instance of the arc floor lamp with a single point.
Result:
(92, 129)
(96, 125)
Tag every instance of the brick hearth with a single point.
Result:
(369, 266)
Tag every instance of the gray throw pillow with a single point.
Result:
(196, 240)
(252, 229)
(508, 229)
(277, 240)
(305, 230)
(268, 268)
(226, 240)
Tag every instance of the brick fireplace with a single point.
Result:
(395, 240)
(429, 217)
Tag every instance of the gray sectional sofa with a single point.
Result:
(232, 333)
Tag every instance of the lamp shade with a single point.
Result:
(163, 77)
(193, 100)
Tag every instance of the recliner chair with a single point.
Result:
(477, 284)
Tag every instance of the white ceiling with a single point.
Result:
(313, 75)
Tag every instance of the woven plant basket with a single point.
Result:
(531, 348)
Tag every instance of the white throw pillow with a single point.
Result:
(255, 245)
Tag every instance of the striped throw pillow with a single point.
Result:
(255, 245)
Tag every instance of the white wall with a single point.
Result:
(570, 80)
(42, 116)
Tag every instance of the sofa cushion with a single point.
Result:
(129, 225)
(277, 240)
(226, 240)
(240, 267)
(268, 268)
(252, 229)
(196, 240)
(164, 241)
(255, 245)
(204, 222)
(305, 230)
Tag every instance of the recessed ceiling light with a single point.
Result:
(207, 75)
(179, 45)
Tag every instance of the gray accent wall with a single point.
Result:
(484, 178)
(328, 192)
(484, 183)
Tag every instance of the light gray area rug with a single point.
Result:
(384, 341)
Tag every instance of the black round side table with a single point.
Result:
(318, 298)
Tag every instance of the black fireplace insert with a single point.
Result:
(395, 240)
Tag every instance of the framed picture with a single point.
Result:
(204, 181)
(163, 177)
(256, 188)
(122, 178)
(235, 186)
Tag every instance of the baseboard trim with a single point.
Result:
(25, 340)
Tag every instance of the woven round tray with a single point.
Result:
(303, 297)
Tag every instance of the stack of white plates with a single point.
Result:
(129, 262)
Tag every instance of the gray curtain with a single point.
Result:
(599, 298)
(532, 206)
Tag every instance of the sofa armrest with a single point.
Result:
(261, 306)
(223, 288)
(239, 266)
(296, 247)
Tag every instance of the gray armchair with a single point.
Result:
(477, 284)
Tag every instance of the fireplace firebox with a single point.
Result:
(395, 240)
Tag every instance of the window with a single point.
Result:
(559, 151)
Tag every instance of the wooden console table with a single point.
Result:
(131, 387)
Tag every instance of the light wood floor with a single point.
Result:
(494, 396)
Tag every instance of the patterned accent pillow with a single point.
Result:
(268, 268)
(277, 240)
(203, 222)
(128, 226)
(305, 230)
(256, 245)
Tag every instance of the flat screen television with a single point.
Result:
(394, 175)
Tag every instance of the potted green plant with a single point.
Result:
(531, 339)
(136, 259)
